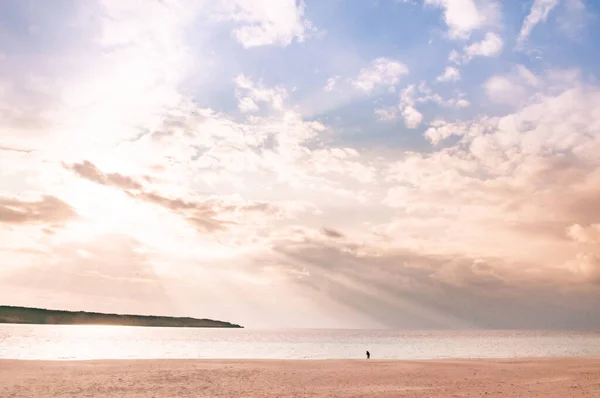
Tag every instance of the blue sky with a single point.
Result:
(387, 163)
(352, 33)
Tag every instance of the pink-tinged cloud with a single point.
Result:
(46, 210)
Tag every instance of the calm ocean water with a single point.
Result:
(104, 342)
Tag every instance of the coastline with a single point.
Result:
(15, 315)
(509, 377)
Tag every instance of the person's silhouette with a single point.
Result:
(368, 355)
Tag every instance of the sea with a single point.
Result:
(53, 342)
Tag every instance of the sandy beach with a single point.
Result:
(563, 377)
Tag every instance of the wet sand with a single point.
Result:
(559, 377)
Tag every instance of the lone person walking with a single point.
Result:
(368, 355)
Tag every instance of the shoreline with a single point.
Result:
(452, 377)
(258, 360)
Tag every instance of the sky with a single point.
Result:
(425, 164)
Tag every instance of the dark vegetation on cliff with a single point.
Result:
(26, 315)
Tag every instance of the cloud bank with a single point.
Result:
(200, 158)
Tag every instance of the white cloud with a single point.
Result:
(425, 95)
(504, 90)
(424, 89)
(455, 57)
(407, 96)
(490, 46)
(527, 173)
(381, 72)
(386, 114)
(331, 82)
(459, 103)
(247, 105)
(465, 16)
(539, 13)
(451, 74)
(439, 130)
(581, 234)
(412, 117)
(529, 77)
(250, 93)
(266, 22)
(107, 89)
(516, 87)
(421, 94)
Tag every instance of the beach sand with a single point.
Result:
(563, 377)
